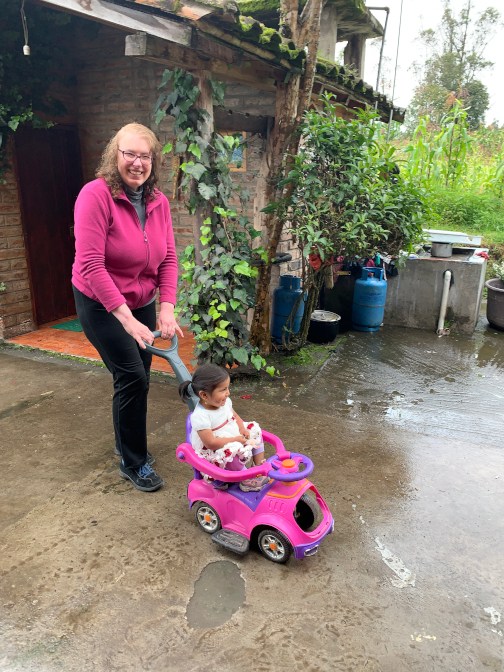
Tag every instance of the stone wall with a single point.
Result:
(16, 315)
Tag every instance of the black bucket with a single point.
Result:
(324, 326)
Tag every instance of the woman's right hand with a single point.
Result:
(132, 326)
(139, 332)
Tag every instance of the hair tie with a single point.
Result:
(190, 390)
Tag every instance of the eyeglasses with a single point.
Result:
(130, 157)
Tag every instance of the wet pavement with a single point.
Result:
(404, 429)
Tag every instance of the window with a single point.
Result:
(239, 159)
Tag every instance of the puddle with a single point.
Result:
(451, 387)
(218, 594)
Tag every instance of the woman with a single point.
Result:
(124, 252)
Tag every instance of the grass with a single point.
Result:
(470, 212)
(307, 354)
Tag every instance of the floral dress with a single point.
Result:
(223, 424)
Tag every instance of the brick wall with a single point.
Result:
(114, 90)
(241, 98)
(16, 315)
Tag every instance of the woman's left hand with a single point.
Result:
(167, 323)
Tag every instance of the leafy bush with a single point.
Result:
(217, 293)
(342, 197)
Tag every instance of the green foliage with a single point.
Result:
(462, 209)
(25, 81)
(499, 270)
(341, 196)
(454, 59)
(218, 291)
(345, 199)
(3, 286)
(466, 187)
(440, 155)
(218, 282)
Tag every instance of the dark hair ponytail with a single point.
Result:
(205, 379)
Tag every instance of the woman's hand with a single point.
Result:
(132, 326)
(167, 323)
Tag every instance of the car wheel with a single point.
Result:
(274, 545)
(303, 514)
(207, 518)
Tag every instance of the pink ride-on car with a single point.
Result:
(287, 515)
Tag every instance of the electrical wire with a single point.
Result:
(397, 52)
(384, 9)
(26, 48)
(395, 70)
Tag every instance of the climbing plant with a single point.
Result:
(218, 280)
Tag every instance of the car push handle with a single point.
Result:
(186, 453)
(173, 358)
(290, 472)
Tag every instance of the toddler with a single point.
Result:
(218, 433)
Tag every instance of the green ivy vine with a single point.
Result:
(218, 281)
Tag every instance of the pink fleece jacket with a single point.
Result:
(115, 261)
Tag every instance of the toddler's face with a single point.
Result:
(218, 397)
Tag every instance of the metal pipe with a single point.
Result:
(441, 331)
(384, 9)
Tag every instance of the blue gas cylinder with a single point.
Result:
(369, 300)
(285, 297)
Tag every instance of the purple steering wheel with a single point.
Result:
(288, 470)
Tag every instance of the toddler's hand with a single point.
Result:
(241, 439)
(245, 432)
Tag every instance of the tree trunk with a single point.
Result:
(292, 101)
(286, 110)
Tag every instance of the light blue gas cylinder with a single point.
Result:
(369, 300)
(285, 297)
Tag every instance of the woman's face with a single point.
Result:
(133, 173)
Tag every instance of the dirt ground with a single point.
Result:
(95, 575)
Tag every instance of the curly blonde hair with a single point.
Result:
(108, 164)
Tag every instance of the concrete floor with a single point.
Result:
(405, 431)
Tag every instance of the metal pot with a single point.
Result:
(495, 303)
(324, 326)
(441, 250)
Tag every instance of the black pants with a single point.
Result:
(130, 368)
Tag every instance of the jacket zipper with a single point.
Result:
(148, 250)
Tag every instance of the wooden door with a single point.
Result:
(50, 178)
